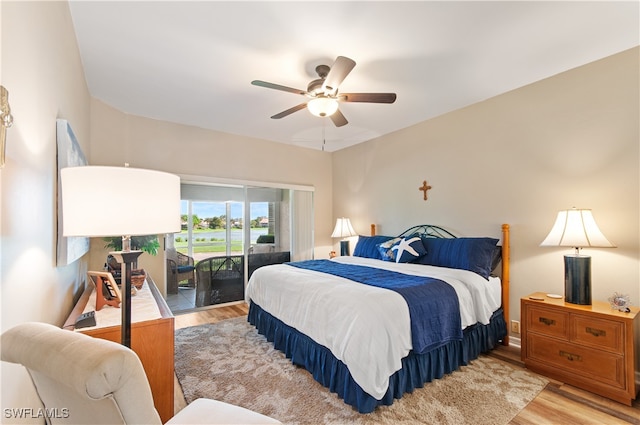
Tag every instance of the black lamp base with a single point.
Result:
(127, 258)
(344, 248)
(577, 279)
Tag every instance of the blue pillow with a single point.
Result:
(367, 246)
(497, 257)
(473, 254)
(385, 249)
(402, 250)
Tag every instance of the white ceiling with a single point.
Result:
(193, 62)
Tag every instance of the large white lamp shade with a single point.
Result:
(117, 201)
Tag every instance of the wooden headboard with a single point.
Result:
(504, 278)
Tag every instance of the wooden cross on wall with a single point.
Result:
(424, 188)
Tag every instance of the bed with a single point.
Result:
(400, 312)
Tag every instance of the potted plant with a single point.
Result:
(146, 243)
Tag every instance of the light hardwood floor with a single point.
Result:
(557, 404)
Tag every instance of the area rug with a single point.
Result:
(231, 362)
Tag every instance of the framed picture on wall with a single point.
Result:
(69, 154)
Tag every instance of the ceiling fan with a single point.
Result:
(323, 92)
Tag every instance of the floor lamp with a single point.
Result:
(102, 201)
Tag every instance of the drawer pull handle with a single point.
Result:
(569, 356)
(548, 322)
(596, 332)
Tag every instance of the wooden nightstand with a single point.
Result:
(590, 347)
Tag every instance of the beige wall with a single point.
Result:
(118, 138)
(519, 158)
(41, 69)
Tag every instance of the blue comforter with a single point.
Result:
(433, 304)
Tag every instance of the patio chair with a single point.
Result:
(220, 280)
(180, 267)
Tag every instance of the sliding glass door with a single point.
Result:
(228, 231)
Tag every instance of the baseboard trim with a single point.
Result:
(515, 341)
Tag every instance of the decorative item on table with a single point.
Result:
(115, 268)
(138, 277)
(150, 205)
(576, 228)
(344, 230)
(107, 292)
(620, 302)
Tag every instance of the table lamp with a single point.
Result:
(344, 230)
(100, 201)
(576, 228)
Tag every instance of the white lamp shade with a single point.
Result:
(322, 106)
(119, 201)
(576, 228)
(343, 229)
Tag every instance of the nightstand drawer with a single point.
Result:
(597, 333)
(593, 364)
(547, 321)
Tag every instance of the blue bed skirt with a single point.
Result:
(417, 369)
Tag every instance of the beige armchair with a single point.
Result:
(96, 381)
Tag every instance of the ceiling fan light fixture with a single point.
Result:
(322, 106)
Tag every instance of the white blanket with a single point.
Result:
(365, 327)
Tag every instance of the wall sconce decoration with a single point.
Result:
(6, 121)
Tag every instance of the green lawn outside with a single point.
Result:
(207, 244)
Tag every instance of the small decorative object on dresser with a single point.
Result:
(620, 302)
(590, 347)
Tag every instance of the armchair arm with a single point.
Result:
(171, 265)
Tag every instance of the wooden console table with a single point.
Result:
(152, 337)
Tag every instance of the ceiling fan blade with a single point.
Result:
(277, 87)
(289, 111)
(368, 97)
(338, 119)
(338, 72)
